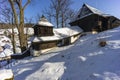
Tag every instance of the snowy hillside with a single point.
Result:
(83, 60)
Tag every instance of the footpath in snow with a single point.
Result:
(83, 60)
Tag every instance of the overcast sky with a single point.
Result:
(108, 6)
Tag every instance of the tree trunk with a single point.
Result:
(62, 20)
(19, 20)
(57, 20)
(13, 39)
(23, 41)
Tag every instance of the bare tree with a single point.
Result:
(37, 17)
(28, 20)
(5, 13)
(7, 17)
(59, 11)
(19, 20)
(68, 17)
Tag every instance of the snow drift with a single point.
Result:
(84, 60)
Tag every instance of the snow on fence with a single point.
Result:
(22, 55)
(9, 61)
(7, 64)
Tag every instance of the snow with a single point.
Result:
(59, 33)
(29, 31)
(8, 52)
(94, 10)
(6, 74)
(6, 49)
(67, 31)
(50, 73)
(6, 42)
(83, 60)
(44, 22)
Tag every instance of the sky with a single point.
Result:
(107, 6)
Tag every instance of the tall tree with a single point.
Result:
(59, 11)
(17, 5)
(37, 17)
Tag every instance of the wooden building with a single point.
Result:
(92, 19)
(61, 37)
(46, 37)
(43, 28)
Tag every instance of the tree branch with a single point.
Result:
(17, 2)
(14, 11)
(28, 1)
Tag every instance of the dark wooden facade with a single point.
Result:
(50, 44)
(40, 31)
(96, 22)
(92, 22)
(64, 42)
(44, 45)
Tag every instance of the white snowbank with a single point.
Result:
(5, 42)
(52, 71)
(6, 53)
(6, 74)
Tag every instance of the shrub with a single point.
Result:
(102, 43)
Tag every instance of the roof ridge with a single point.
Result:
(93, 9)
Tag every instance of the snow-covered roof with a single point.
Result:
(44, 22)
(67, 31)
(87, 10)
(96, 11)
(59, 33)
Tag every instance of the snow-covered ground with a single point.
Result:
(83, 60)
(7, 32)
(6, 74)
(5, 46)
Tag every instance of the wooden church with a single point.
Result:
(46, 37)
(92, 19)
(42, 31)
(43, 28)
